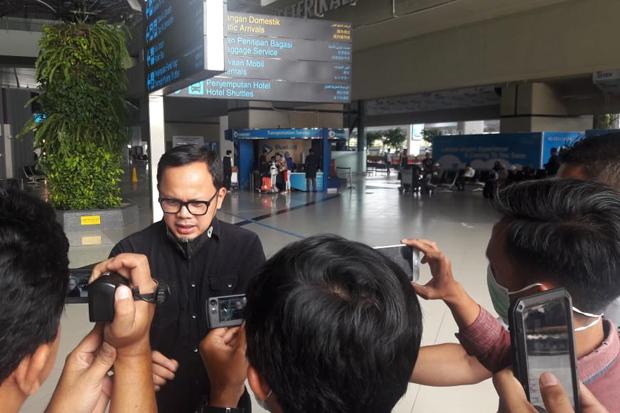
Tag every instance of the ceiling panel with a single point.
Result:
(110, 10)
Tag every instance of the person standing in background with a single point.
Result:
(553, 164)
(388, 161)
(311, 166)
(290, 163)
(227, 167)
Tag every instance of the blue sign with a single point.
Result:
(482, 151)
(295, 133)
(557, 140)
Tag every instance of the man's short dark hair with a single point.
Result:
(598, 156)
(33, 277)
(569, 231)
(186, 154)
(333, 326)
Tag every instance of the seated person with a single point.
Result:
(553, 233)
(467, 175)
(595, 159)
(34, 278)
(332, 326)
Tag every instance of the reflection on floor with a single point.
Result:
(372, 212)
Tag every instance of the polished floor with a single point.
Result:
(372, 212)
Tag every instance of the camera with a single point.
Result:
(101, 296)
(226, 311)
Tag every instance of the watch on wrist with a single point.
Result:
(159, 296)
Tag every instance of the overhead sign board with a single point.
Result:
(184, 42)
(314, 8)
(282, 59)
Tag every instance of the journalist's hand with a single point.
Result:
(513, 400)
(129, 332)
(442, 286)
(223, 354)
(84, 386)
(164, 369)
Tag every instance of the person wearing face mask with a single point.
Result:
(553, 233)
(198, 257)
(596, 158)
(332, 326)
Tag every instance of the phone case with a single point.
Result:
(519, 345)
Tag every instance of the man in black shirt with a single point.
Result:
(198, 257)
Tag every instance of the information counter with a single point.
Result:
(298, 181)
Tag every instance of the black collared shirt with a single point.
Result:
(220, 263)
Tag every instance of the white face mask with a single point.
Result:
(500, 296)
(263, 403)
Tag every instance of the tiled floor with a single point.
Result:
(373, 212)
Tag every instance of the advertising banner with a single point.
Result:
(557, 140)
(482, 151)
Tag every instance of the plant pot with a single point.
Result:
(94, 220)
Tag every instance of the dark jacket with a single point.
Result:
(227, 165)
(219, 265)
(311, 165)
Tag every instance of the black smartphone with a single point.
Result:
(541, 331)
(406, 257)
(226, 311)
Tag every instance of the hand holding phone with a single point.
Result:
(407, 258)
(541, 330)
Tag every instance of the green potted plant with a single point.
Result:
(81, 70)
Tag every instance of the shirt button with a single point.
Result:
(193, 285)
(194, 316)
(195, 350)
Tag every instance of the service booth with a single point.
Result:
(252, 144)
(531, 150)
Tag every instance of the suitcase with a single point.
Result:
(265, 184)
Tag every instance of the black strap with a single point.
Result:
(159, 296)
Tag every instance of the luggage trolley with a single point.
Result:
(410, 181)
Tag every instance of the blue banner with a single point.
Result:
(482, 151)
(557, 140)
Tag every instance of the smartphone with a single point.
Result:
(407, 258)
(226, 311)
(541, 331)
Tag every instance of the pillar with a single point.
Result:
(537, 107)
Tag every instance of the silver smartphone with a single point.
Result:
(406, 257)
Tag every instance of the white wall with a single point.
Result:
(354, 160)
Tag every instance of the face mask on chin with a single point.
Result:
(263, 403)
(500, 296)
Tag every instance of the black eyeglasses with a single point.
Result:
(195, 207)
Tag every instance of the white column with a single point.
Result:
(157, 146)
(8, 150)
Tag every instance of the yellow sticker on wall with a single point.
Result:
(90, 220)
(91, 240)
